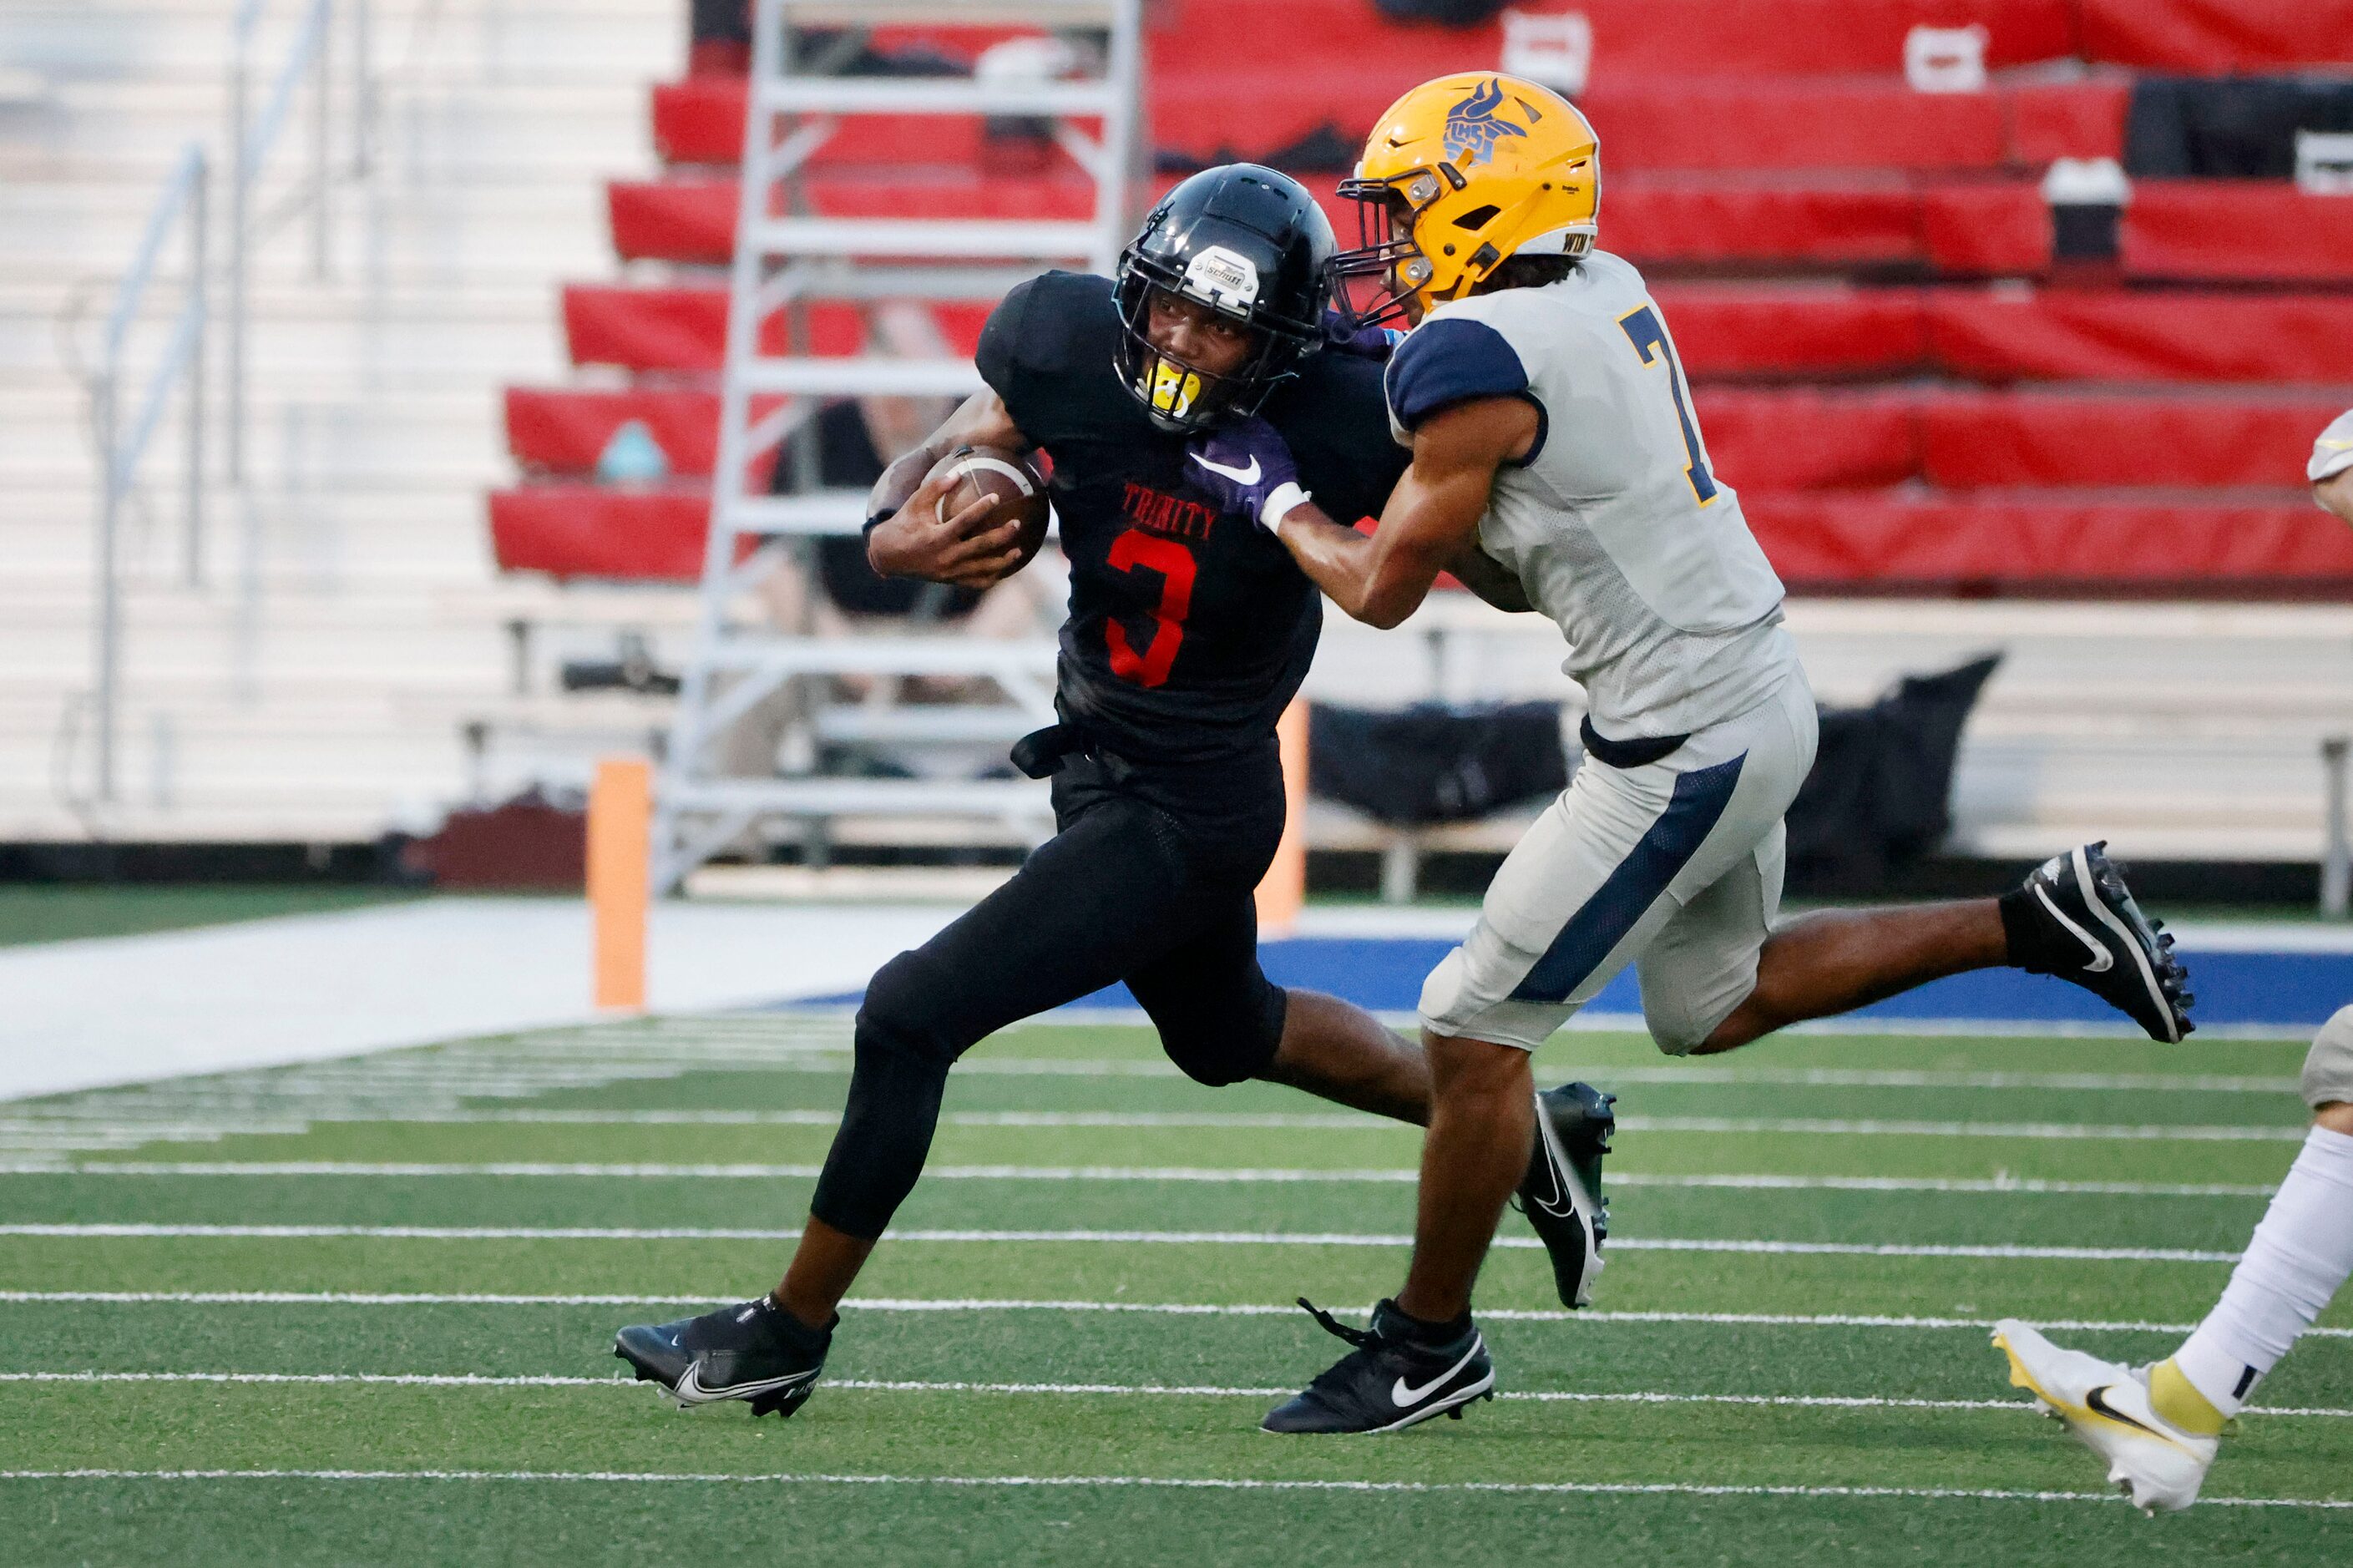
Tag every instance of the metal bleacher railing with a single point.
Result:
(786, 256)
(250, 138)
(124, 414)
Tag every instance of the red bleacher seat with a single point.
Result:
(596, 530)
(2251, 230)
(1972, 439)
(1829, 542)
(2052, 334)
(1681, 38)
(2216, 37)
(684, 327)
(563, 430)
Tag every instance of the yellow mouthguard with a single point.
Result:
(1174, 388)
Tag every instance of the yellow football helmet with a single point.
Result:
(1460, 173)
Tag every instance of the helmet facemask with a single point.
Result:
(1387, 257)
(1181, 398)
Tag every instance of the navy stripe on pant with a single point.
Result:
(1664, 849)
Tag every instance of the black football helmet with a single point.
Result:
(1248, 243)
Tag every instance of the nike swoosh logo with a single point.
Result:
(1248, 476)
(2100, 1406)
(1405, 1397)
(1559, 1204)
(691, 1385)
(2102, 959)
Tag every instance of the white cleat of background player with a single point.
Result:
(2105, 1405)
(2158, 1426)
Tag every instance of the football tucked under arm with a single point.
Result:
(912, 529)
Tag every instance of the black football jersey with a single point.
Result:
(1190, 629)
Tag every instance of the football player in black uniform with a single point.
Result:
(1189, 631)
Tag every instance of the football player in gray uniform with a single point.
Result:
(1557, 467)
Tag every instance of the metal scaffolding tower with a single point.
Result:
(786, 257)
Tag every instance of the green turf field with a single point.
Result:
(31, 913)
(361, 1312)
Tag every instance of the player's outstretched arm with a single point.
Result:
(1431, 523)
(907, 537)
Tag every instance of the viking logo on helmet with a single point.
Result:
(1471, 128)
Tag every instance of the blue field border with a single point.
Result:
(2235, 990)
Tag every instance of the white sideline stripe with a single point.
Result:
(984, 1304)
(1995, 1186)
(1299, 1121)
(779, 1477)
(1116, 1237)
(1123, 1390)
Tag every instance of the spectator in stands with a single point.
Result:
(2331, 470)
(840, 594)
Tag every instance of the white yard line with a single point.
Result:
(1119, 1390)
(982, 1304)
(1554, 1489)
(62, 1128)
(1106, 1237)
(1239, 1175)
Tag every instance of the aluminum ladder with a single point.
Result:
(786, 259)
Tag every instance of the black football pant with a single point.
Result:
(1150, 880)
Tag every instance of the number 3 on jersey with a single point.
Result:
(1134, 550)
(1650, 338)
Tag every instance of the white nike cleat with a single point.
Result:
(2105, 1405)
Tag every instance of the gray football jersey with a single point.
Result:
(1616, 526)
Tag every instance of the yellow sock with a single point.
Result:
(2177, 1399)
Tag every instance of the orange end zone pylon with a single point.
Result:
(621, 833)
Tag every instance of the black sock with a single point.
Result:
(2020, 924)
(1421, 1331)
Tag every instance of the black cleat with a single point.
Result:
(2080, 922)
(754, 1351)
(1561, 1193)
(1390, 1382)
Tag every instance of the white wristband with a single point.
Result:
(1280, 502)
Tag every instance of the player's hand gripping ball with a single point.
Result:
(1003, 477)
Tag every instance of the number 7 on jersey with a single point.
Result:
(1649, 335)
